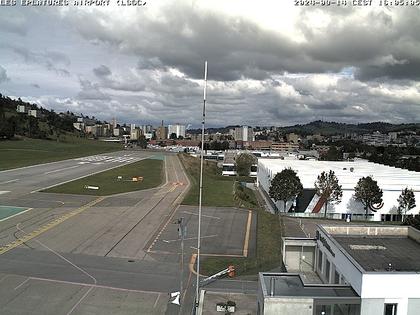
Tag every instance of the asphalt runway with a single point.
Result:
(64, 237)
(119, 254)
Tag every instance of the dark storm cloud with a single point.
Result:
(376, 45)
(102, 71)
(146, 67)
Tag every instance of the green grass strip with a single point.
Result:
(150, 169)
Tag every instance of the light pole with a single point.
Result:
(197, 288)
(182, 232)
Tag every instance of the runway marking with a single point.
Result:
(16, 214)
(161, 231)
(48, 226)
(189, 238)
(27, 279)
(248, 228)
(4, 192)
(9, 181)
(157, 299)
(203, 215)
(4, 277)
(61, 169)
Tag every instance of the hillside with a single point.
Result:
(48, 124)
(330, 128)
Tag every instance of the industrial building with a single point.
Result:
(346, 270)
(390, 179)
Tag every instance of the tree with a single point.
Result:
(142, 142)
(327, 187)
(369, 194)
(285, 186)
(413, 221)
(406, 201)
(244, 162)
(172, 136)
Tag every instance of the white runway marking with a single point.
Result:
(203, 215)
(27, 279)
(4, 191)
(16, 214)
(100, 159)
(9, 181)
(189, 238)
(61, 169)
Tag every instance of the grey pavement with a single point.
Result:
(127, 243)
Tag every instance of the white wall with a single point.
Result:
(342, 263)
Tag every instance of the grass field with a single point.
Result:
(218, 190)
(151, 170)
(18, 153)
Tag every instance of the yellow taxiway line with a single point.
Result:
(48, 226)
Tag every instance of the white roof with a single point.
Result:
(388, 177)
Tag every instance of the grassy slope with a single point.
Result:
(217, 189)
(151, 170)
(26, 152)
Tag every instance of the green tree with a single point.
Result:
(413, 221)
(285, 186)
(142, 142)
(244, 162)
(172, 136)
(369, 194)
(333, 154)
(327, 187)
(406, 202)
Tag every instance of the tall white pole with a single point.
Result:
(197, 292)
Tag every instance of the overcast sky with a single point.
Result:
(270, 63)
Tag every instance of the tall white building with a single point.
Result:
(177, 129)
(244, 133)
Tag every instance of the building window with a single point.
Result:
(390, 309)
(336, 277)
(327, 270)
(319, 260)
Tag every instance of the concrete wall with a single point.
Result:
(413, 307)
(372, 307)
(275, 306)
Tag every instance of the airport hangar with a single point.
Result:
(391, 180)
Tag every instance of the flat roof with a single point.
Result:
(291, 285)
(375, 253)
(348, 173)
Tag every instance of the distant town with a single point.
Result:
(390, 144)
